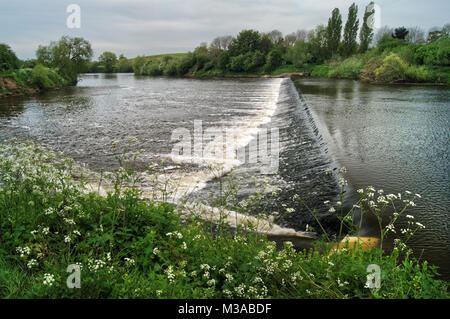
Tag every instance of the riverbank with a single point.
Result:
(29, 81)
(129, 248)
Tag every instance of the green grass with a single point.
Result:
(131, 248)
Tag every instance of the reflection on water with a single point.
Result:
(395, 138)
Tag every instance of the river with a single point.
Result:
(395, 138)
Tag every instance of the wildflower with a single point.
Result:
(69, 221)
(342, 170)
(332, 210)
(290, 210)
(170, 274)
(391, 228)
(32, 263)
(326, 202)
(184, 246)
(360, 191)
(339, 203)
(342, 182)
(49, 279)
(328, 171)
(67, 239)
(211, 282)
(205, 267)
(76, 232)
(158, 292)
(129, 261)
(417, 195)
(420, 225)
(410, 216)
(49, 211)
(155, 251)
(23, 251)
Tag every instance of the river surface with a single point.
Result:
(395, 138)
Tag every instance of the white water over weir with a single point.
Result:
(216, 151)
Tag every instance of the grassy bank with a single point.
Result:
(132, 248)
(30, 81)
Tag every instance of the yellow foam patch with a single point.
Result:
(354, 242)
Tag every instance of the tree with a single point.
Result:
(290, 39)
(299, 55)
(381, 33)
(108, 60)
(318, 43)
(334, 30)
(275, 36)
(400, 33)
(302, 35)
(273, 60)
(8, 59)
(415, 35)
(366, 34)
(351, 31)
(69, 56)
(246, 41)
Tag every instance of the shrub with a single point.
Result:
(320, 70)
(273, 60)
(387, 43)
(393, 69)
(223, 60)
(40, 77)
(237, 63)
(185, 64)
(138, 64)
(419, 74)
(8, 59)
(349, 69)
(368, 72)
(171, 68)
(151, 68)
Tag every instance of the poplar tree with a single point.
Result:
(366, 34)
(334, 30)
(351, 31)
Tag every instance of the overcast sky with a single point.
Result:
(144, 27)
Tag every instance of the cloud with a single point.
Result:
(142, 27)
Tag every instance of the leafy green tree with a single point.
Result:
(318, 44)
(108, 60)
(387, 43)
(8, 59)
(350, 31)
(334, 30)
(366, 34)
(138, 63)
(400, 33)
(266, 44)
(223, 60)
(273, 60)
(69, 56)
(123, 65)
(299, 54)
(246, 41)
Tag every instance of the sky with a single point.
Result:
(146, 27)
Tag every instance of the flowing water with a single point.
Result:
(393, 138)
